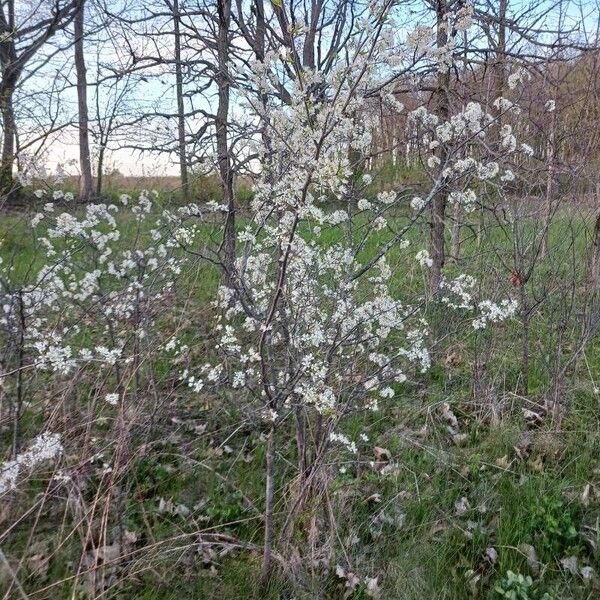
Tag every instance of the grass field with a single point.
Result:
(466, 477)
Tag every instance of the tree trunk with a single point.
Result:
(595, 258)
(85, 165)
(455, 251)
(550, 174)
(100, 170)
(7, 183)
(225, 170)
(267, 561)
(438, 204)
(499, 72)
(180, 105)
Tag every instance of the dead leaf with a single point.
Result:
(373, 590)
(382, 457)
(587, 573)
(438, 527)
(473, 578)
(461, 506)
(491, 554)
(585, 496)
(165, 506)
(130, 537)
(569, 563)
(459, 438)
(182, 510)
(449, 415)
(453, 357)
(533, 418)
(537, 464)
(532, 558)
(503, 462)
(523, 448)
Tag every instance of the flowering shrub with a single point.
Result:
(308, 329)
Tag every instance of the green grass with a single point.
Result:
(415, 539)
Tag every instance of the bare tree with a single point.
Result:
(222, 130)
(19, 44)
(442, 109)
(183, 170)
(85, 165)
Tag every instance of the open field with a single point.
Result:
(464, 477)
(335, 335)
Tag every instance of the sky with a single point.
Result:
(154, 92)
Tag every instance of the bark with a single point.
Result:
(438, 205)
(499, 70)
(525, 322)
(222, 137)
(550, 175)
(85, 165)
(259, 47)
(10, 76)
(267, 562)
(308, 51)
(7, 183)
(595, 260)
(100, 171)
(180, 105)
(455, 251)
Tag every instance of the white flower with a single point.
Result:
(417, 203)
(36, 219)
(433, 162)
(527, 149)
(387, 392)
(516, 78)
(494, 313)
(112, 399)
(488, 171)
(550, 105)
(386, 198)
(379, 223)
(45, 447)
(342, 439)
(239, 379)
(423, 258)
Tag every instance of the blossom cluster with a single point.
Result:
(45, 447)
(458, 293)
(93, 295)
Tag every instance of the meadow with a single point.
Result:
(469, 484)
